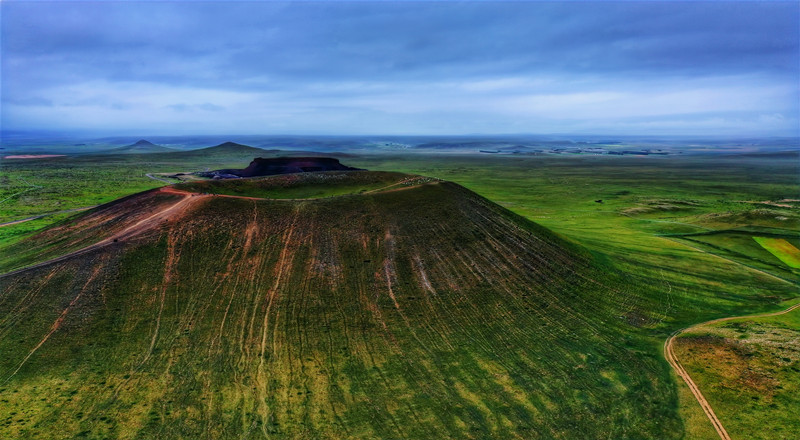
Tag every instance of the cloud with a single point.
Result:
(208, 107)
(400, 67)
(31, 100)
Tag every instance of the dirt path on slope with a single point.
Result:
(168, 190)
(669, 354)
(130, 231)
(56, 324)
(142, 225)
(389, 188)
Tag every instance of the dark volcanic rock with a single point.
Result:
(282, 165)
(285, 165)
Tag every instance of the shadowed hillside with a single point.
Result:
(288, 165)
(418, 310)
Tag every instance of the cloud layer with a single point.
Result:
(402, 67)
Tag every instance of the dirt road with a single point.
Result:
(389, 188)
(138, 227)
(669, 353)
(130, 231)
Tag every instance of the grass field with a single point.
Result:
(740, 245)
(749, 370)
(627, 212)
(37, 186)
(782, 249)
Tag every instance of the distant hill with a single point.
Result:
(141, 146)
(229, 148)
(237, 152)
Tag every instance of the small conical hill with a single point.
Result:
(142, 146)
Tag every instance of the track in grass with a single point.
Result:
(669, 354)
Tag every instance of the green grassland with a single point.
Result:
(562, 194)
(625, 212)
(30, 187)
(36, 186)
(782, 249)
(742, 246)
(749, 370)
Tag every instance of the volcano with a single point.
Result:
(383, 305)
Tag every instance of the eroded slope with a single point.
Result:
(426, 312)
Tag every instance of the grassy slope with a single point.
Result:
(76, 181)
(782, 249)
(739, 246)
(426, 312)
(560, 194)
(749, 370)
(32, 187)
(688, 285)
(683, 284)
(77, 232)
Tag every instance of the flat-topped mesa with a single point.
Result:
(286, 165)
(261, 166)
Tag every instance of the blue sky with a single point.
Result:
(681, 68)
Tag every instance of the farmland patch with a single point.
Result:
(782, 249)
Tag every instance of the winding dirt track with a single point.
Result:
(669, 353)
(130, 231)
(146, 223)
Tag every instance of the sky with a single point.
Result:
(449, 68)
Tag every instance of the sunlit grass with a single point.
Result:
(782, 249)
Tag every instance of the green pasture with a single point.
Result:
(661, 225)
(749, 371)
(741, 246)
(782, 249)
